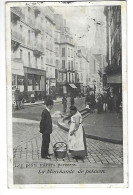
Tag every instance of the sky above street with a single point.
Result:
(84, 22)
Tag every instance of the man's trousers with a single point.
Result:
(45, 145)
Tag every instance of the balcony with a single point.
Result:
(67, 39)
(37, 11)
(17, 37)
(37, 27)
(63, 70)
(71, 70)
(50, 17)
(38, 49)
(17, 13)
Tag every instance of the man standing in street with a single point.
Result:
(64, 102)
(46, 128)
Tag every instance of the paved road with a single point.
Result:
(34, 113)
(104, 125)
(29, 168)
(27, 144)
(27, 160)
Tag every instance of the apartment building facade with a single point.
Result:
(50, 49)
(113, 69)
(64, 57)
(33, 50)
(27, 50)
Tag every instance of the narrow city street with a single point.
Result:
(66, 60)
(105, 125)
(101, 155)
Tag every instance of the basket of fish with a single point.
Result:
(60, 149)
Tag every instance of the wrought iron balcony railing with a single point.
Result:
(17, 11)
(38, 49)
(16, 36)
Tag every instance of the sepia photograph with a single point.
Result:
(66, 67)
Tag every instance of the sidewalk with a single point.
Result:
(41, 102)
(105, 127)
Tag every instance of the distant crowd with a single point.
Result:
(106, 101)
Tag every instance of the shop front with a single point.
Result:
(115, 82)
(52, 87)
(17, 74)
(71, 89)
(61, 89)
(35, 83)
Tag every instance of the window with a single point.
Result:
(46, 69)
(21, 54)
(36, 61)
(21, 28)
(64, 77)
(29, 58)
(51, 72)
(68, 52)
(56, 51)
(81, 77)
(72, 78)
(60, 76)
(63, 63)
(63, 52)
(71, 53)
(56, 62)
(69, 77)
(20, 80)
(30, 79)
(37, 82)
(41, 61)
(71, 65)
(28, 9)
(29, 35)
(14, 80)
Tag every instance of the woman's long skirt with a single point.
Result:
(80, 153)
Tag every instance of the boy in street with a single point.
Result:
(46, 128)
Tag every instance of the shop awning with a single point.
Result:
(73, 86)
(114, 79)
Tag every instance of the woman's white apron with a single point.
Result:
(75, 142)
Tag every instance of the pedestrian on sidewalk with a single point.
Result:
(87, 99)
(64, 102)
(105, 101)
(72, 101)
(99, 104)
(76, 136)
(46, 128)
(111, 102)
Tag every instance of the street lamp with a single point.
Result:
(94, 83)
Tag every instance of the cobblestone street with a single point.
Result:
(28, 144)
(30, 168)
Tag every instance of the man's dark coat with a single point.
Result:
(46, 122)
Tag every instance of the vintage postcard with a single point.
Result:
(66, 94)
